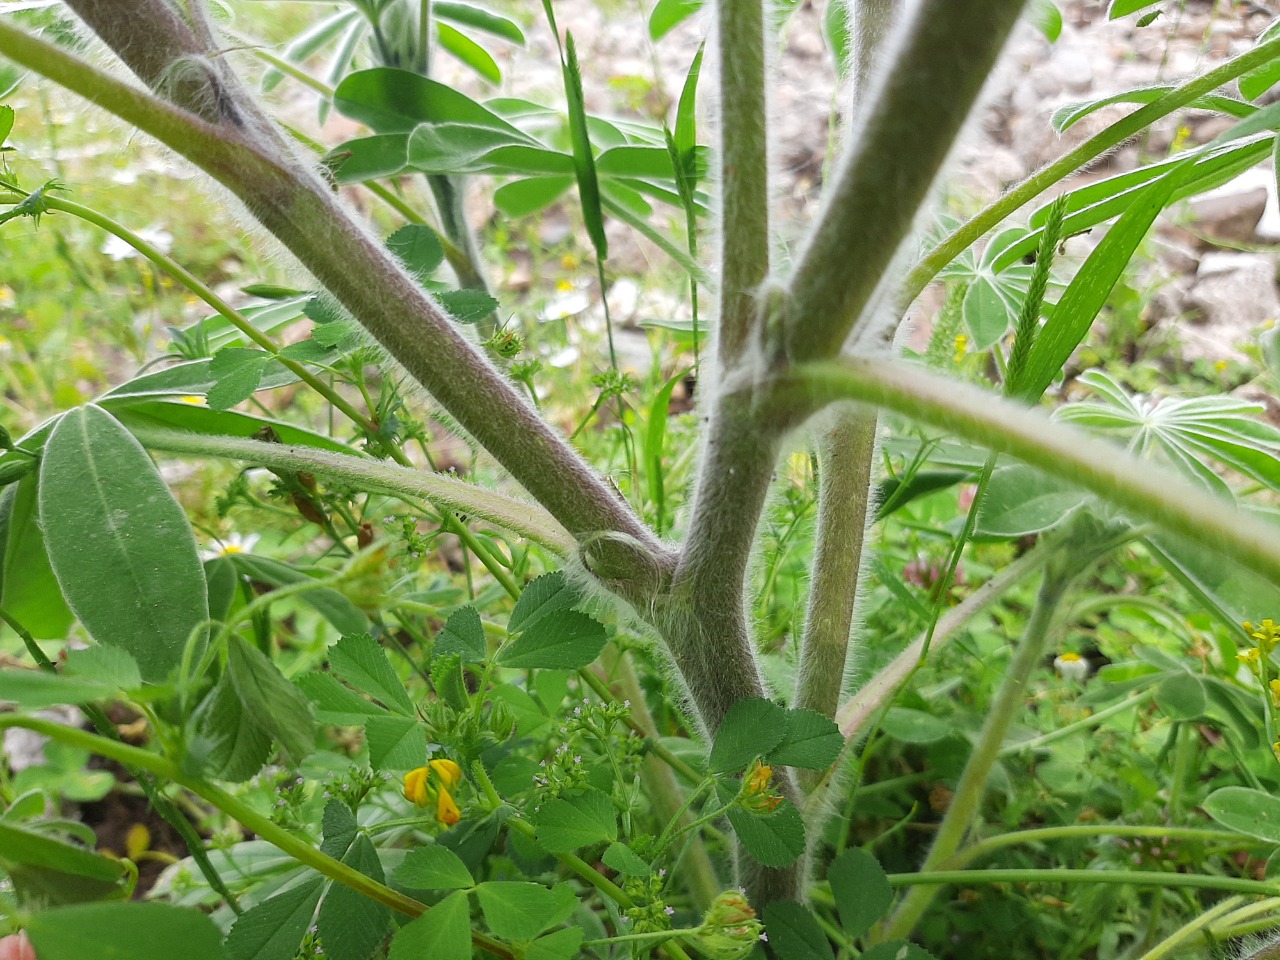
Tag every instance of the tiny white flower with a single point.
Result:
(233, 544)
(1071, 666)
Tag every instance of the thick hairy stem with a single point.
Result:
(744, 174)
(981, 417)
(845, 454)
(301, 211)
(870, 24)
(526, 519)
(900, 139)
(703, 617)
(967, 800)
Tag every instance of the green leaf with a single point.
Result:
(50, 870)
(480, 19)
(418, 248)
(521, 911)
(987, 313)
(280, 708)
(622, 859)
(1047, 18)
(330, 604)
(1021, 500)
(1083, 299)
(811, 741)
(861, 890)
(1122, 8)
(351, 925)
(463, 634)
(583, 158)
(1181, 696)
(335, 703)
(561, 945)
(751, 728)
(397, 101)
(773, 840)
(139, 931)
(29, 591)
(467, 306)
(794, 933)
(522, 198)
(1254, 813)
(1254, 83)
(215, 423)
(237, 372)
(274, 928)
(434, 867)
(565, 824)
(37, 689)
(1072, 113)
(120, 545)
(442, 933)
(369, 158)
(914, 726)
(686, 132)
(547, 594)
(339, 829)
(362, 663)
(469, 52)
(225, 741)
(565, 640)
(6, 123)
(109, 666)
(668, 13)
(395, 743)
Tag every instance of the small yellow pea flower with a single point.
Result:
(421, 791)
(756, 795)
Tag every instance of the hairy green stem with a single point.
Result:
(1107, 139)
(1092, 831)
(871, 206)
(970, 791)
(744, 173)
(296, 847)
(1061, 451)
(526, 519)
(1160, 879)
(845, 455)
(1071, 729)
(869, 23)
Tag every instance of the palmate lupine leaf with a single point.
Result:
(1188, 431)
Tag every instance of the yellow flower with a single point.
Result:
(1250, 658)
(1266, 633)
(961, 347)
(756, 795)
(1275, 693)
(431, 784)
(194, 399)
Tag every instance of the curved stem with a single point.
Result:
(969, 232)
(981, 417)
(1091, 831)
(524, 518)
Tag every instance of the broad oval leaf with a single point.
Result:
(773, 840)
(1251, 812)
(1021, 501)
(120, 545)
(140, 931)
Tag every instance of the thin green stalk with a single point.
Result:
(296, 847)
(1071, 729)
(970, 791)
(524, 518)
(201, 290)
(968, 233)
(1069, 454)
(1138, 878)
(1171, 943)
(1092, 831)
